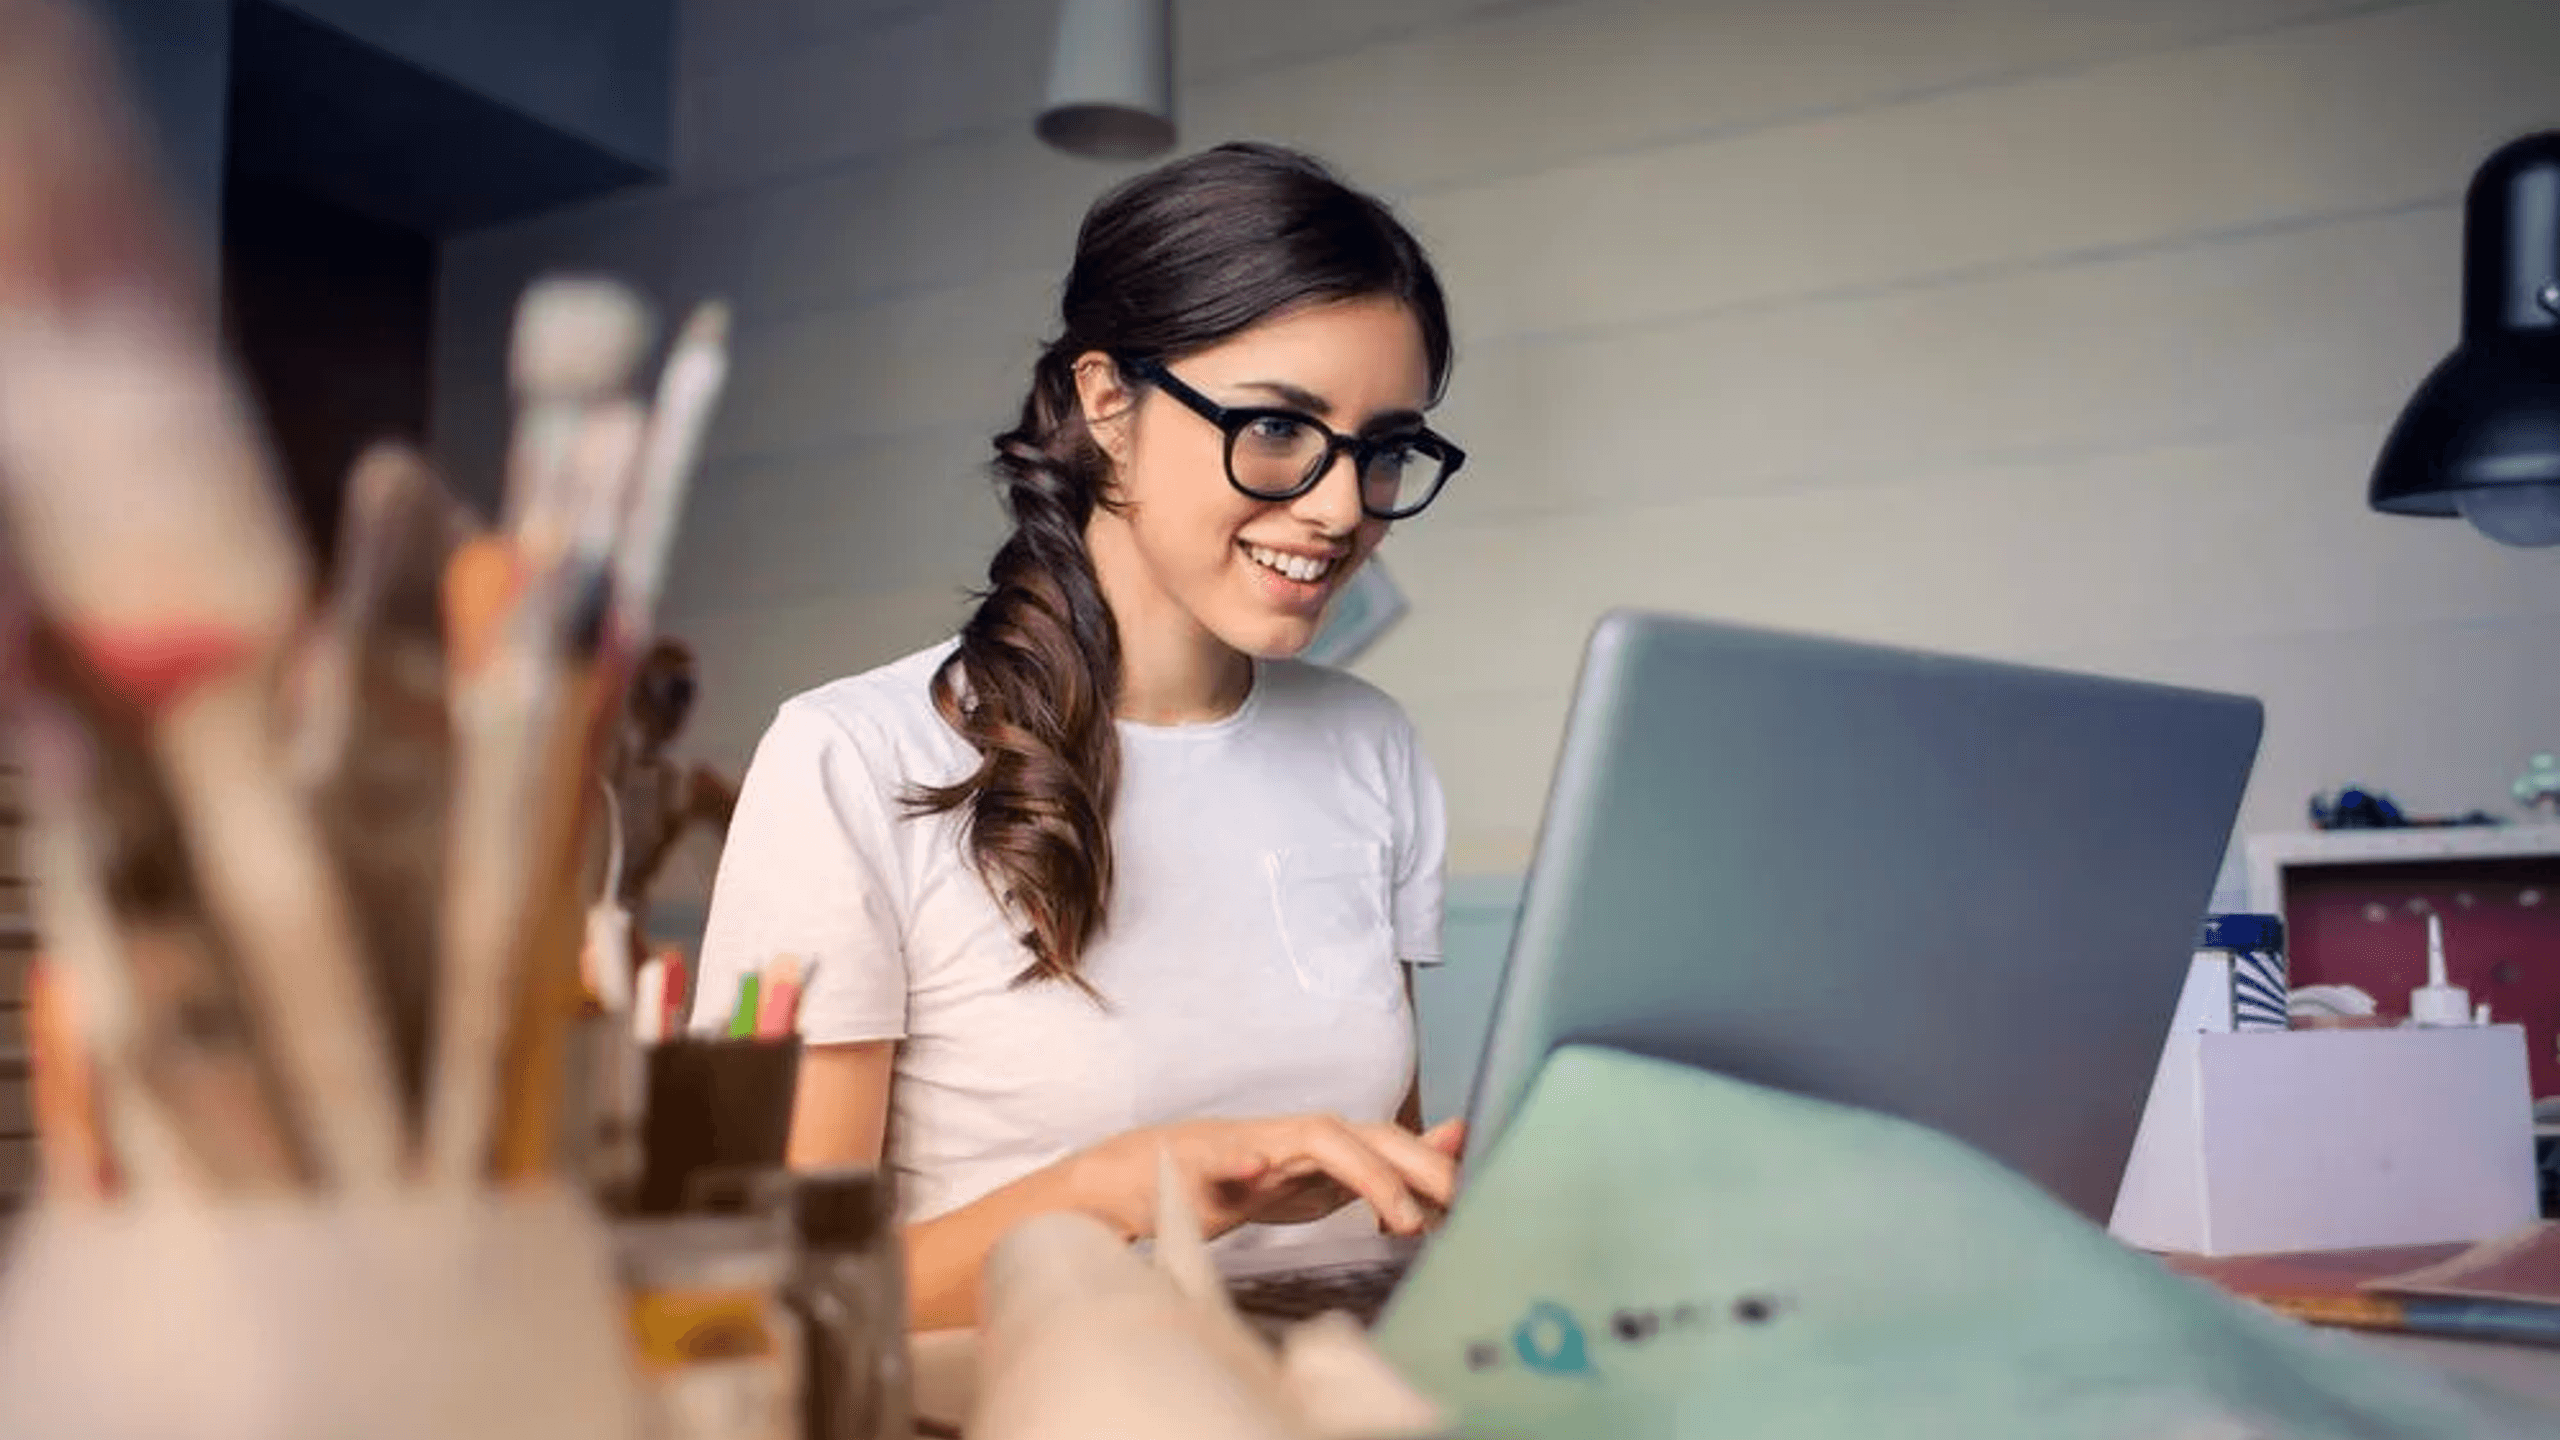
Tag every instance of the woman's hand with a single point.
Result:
(1278, 1170)
(1283, 1170)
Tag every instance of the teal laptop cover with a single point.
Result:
(1655, 1250)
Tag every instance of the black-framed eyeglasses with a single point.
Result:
(1280, 454)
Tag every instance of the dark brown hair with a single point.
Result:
(1168, 263)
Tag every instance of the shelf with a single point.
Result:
(2270, 855)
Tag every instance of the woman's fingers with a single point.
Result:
(1235, 1164)
(1427, 1170)
(1448, 1137)
(1249, 1164)
(1246, 1167)
(1355, 1162)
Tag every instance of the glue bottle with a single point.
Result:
(2438, 1002)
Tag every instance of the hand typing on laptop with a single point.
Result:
(1279, 1170)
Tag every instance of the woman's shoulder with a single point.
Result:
(887, 709)
(1337, 699)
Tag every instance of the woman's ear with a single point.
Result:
(1107, 401)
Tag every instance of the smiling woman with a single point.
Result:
(1109, 874)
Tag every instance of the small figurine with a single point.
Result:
(657, 801)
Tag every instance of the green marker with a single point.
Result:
(742, 1021)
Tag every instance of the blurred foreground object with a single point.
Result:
(1658, 1250)
(1084, 1340)
(406, 1317)
(306, 863)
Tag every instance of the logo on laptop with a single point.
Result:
(1550, 1339)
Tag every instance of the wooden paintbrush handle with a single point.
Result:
(549, 994)
(71, 1142)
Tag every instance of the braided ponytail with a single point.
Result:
(1032, 687)
(1171, 262)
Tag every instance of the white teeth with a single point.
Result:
(1304, 568)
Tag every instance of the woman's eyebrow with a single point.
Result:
(1392, 420)
(1293, 396)
(1300, 398)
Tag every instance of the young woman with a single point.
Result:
(1108, 874)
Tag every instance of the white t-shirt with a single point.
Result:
(1273, 867)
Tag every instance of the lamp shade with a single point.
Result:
(2481, 438)
(1111, 79)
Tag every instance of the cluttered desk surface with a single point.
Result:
(2491, 1310)
(2321, 1287)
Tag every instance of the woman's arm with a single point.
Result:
(840, 1107)
(840, 1116)
(1243, 1168)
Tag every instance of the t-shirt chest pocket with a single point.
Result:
(1332, 905)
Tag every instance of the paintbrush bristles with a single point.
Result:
(577, 338)
(80, 215)
(578, 342)
(696, 372)
(707, 326)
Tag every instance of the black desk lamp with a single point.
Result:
(2481, 438)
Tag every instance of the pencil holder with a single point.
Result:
(717, 1113)
(409, 1317)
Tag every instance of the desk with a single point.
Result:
(946, 1367)
(2308, 1284)
(2529, 1371)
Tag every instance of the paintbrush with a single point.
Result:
(697, 370)
(62, 1095)
(616, 559)
(522, 722)
(80, 213)
(576, 343)
(381, 618)
(549, 994)
(189, 1101)
(501, 700)
(142, 510)
(370, 733)
(80, 1013)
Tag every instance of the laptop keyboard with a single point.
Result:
(1361, 1289)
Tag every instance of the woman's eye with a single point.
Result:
(1276, 432)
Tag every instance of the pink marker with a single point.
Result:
(672, 1019)
(778, 1004)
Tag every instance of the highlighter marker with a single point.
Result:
(779, 1004)
(679, 995)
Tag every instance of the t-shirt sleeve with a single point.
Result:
(810, 869)
(1421, 858)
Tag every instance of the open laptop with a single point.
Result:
(1953, 890)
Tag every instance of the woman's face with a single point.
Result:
(1192, 550)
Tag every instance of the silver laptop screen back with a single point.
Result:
(1952, 890)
